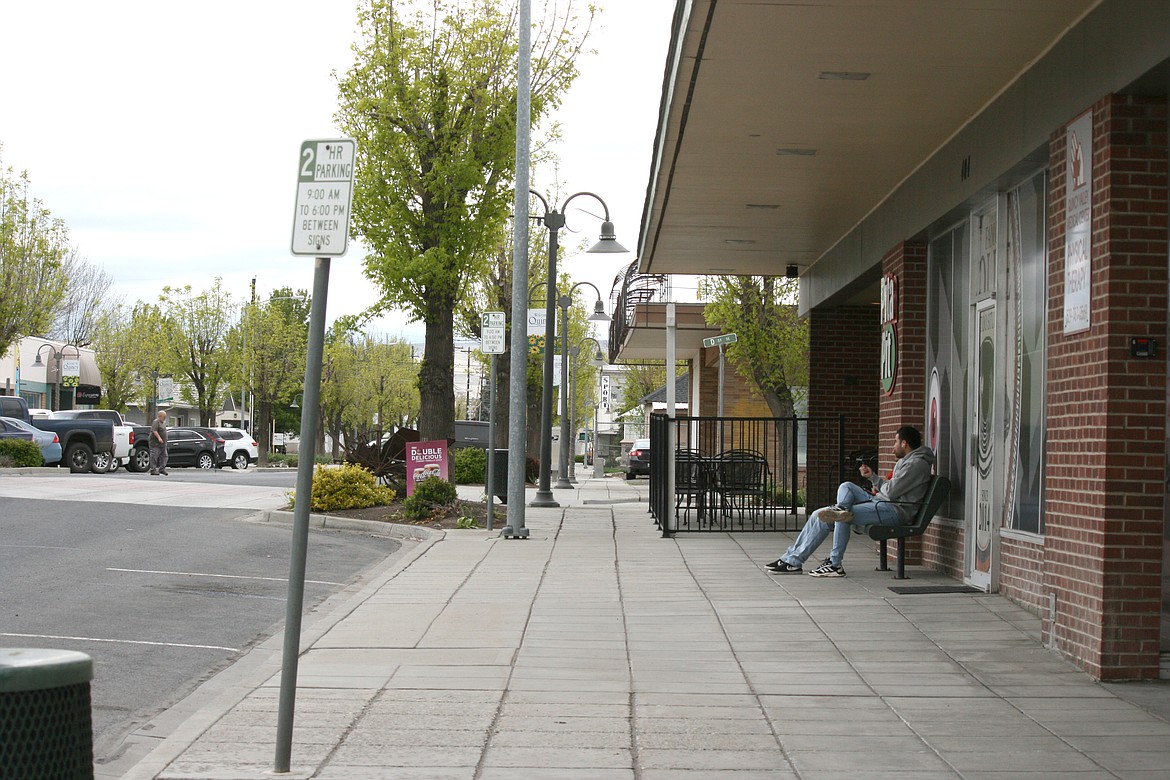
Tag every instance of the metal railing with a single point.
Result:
(742, 473)
(630, 290)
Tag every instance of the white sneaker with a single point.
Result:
(834, 514)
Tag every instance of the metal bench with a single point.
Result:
(936, 492)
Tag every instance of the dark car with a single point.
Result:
(638, 461)
(222, 457)
(189, 447)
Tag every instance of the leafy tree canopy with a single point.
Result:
(431, 100)
(772, 347)
(33, 248)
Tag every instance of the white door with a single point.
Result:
(981, 530)
(984, 499)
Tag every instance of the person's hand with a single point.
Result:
(865, 470)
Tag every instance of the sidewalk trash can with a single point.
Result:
(46, 726)
(500, 475)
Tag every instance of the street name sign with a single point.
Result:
(715, 341)
(492, 333)
(324, 195)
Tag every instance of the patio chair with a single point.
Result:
(741, 481)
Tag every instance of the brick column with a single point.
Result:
(1106, 462)
(844, 354)
(906, 403)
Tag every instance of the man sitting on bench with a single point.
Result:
(894, 504)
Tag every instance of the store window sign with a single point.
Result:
(1078, 218)
(889, 345)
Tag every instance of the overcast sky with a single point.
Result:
(166, 135)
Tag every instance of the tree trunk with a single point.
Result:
(779, 402)
(436, 376)
(503, 394)
(533, 428)
(261, 415)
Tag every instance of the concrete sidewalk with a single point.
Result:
(596, 648)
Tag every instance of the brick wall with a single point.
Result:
(1021, 573)
(1106, 411)
(844, 346)
(906, 403)
(844, 354)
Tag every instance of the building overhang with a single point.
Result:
(784, 127)
(646, 337)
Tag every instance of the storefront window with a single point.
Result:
(1027, 281)
(946, 358)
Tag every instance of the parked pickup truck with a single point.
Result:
(127, 438)
(80, 439)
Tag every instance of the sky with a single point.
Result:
(166, 136)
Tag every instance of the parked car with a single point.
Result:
(48, 441)
(80, 439)
(240, 448)
(7, 432)
(638, 459)
(125, 435)
(188, 447)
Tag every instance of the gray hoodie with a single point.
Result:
(906, 486)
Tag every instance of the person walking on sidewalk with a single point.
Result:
(892, 504)
(158, 445)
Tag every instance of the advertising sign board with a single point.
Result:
(425, 460)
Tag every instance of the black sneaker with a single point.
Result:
(783, 567)
(827, 569)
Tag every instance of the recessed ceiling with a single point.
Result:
(774, 137)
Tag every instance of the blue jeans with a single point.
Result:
(865, 512)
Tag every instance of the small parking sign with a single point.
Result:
(324, 195)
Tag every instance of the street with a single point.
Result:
(161, 597)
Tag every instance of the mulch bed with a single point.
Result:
(443, 517)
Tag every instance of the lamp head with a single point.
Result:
(38, 361)
(598, 314)
(608, 243)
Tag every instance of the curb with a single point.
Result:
(414, 533)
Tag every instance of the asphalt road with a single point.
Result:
(160, 597)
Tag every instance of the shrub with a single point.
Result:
(428, 495)
(21, 453)
(347, 487)
(470, 466)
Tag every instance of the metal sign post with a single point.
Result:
(492, 343)
(320, 229)
(719, 341)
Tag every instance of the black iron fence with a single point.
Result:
(743, 473)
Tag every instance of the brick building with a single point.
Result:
(975, 200)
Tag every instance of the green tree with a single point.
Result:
(33, 249)
(639, 381)
(196, 331)
(148, 355)
(273, 337)
(772, 347)
(431, 100)
(117, 351)
(368, 388)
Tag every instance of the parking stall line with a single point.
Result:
(122, 641)
(225, 576)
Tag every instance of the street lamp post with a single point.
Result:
(555, 220)
(54, 355)
(573, 392)
(598, 315)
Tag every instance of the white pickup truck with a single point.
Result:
(124, 434)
